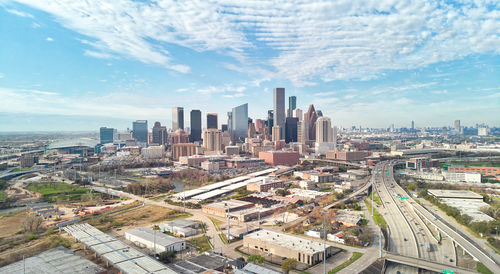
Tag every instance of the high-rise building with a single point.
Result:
(279, 110)
(291, 129)
(230, 122)
(177, 118)
(276, 134)
(106, 135)
(292, 105)
(212, 120)
(458, 129)
(212, 140)
(179, 137)
(412, 124)
(259, 125)
(270, 121)
(297, 113)
(159, 134)
(311, 118)
(224, 127)
(251, 130)
(303, 132)
(140, 131)
(239, 121)
(195, 121)
(324, 131)
(319, 113)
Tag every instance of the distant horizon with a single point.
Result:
(71, 66)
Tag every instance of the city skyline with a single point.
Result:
(70, 67)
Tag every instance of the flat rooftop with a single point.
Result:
(229, 203)
(288, 241)
(148, 234)
(54, 261)
(458, 194)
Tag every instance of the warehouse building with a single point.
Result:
(145, 237)
(454, 194)
(265, 185)
(180, 227)
(221, 208)
(287, 246)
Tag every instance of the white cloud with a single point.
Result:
(100, 55)
(2, 75)
(20, 13)
(49, 39)
(310, 41)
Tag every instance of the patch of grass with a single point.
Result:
(159, 197)
(3, 196)
(52, 191)
(377, 218)
(202, 243)
(326, 190)
(56, 241)
(216, 223)
(481, 268)
(17, 169)
(223, 238)
(376, 199)
(354, 257)
(483, 164)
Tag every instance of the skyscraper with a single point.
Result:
(291, 129)
(292, 105)
(230, 122)
(324, 131)
(311, 118)
(251, 130)
(279, 110)
(195, 120)
(140, 131)
(303, 132)
(239, 121)
(297, 113)
(412, 124)
(212, 120)
(276, 134)
(319, 113)
(159, 134)
(106, 135)
(457, 126)
(270, 121)
(177, 118)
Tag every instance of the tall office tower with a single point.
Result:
(140, 131)
(279, 110)
(335, 133)
(276, 133)
(303, 132)
(391, 129)
(159, 134)
(291, 129)
(251, 130)
(195, 122)
(319, 113)
(230, 122)
(224, 127)
(106, 135)
(259, 125)
(270, 121)
(212, 140)
(324, 131)
(311, 118)
(412, 124)
(179, 137)
(457, 126)
(212, 120)
(239, 125)
(177, 118)
(297, 113)
(292, 105)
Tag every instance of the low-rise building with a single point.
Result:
(485, 171)
(244, 162)
(474, 178)
(287, 246)
(348, 218)
(278, 157)
(306, 184)
(265, 185)
(180, 227)
(421, 163)
(145, 237)
(315, 176)
(221, 208)
(153, 152)
(232, 150)
(347, 155)
(456, 194)
(306, 195)
(337, 237)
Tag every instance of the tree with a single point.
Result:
(288, 265)
(255, 259)
(167, 256)
(32, 223)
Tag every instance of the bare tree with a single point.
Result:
(32, 223)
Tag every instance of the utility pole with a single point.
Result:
(324, 242)
(373, 189)
(228, 224)
(380, 242)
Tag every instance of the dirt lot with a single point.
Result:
(11, 223)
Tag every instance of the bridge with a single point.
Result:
(423, 264)
(10, 175)
(333, 162)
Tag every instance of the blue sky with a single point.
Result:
(74, 65)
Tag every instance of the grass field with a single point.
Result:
(202, 243)
(354, 257)
(379, 219)
(376, 199)
(483, 269)
(52, 191)
(485, 164)
(17, 169)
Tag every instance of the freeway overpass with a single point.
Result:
(423, 264)
(10, 175)
(332, 162)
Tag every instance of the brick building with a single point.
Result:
(274, 158)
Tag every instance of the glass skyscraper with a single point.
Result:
(239, 121)
(140, 131)
(292, 104)
(279, 110)
(212, 120)
(106, 135)
(195, 125)
(177, 118)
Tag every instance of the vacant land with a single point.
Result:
(58, 191)
(379, 219)
(354, 257)
(202, 243)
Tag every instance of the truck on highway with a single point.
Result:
(428, 246)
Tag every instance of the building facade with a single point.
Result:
(279, 110)
(106, 135)
(291, 129)
(177, 118)
(195, 122)
(274, 158)
(239, 121)
(292, 105)
(159, 134)
(140, 131)
(212, 120)
(212, 140)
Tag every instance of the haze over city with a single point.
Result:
(70, 65)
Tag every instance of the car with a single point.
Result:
(405, 239)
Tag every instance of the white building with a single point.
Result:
(153, 152)
(462, 177)
(145, 237)
(337, 237)
(180, 227)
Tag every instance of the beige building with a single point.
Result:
(265, 185)
(183, 149)
(221, 208)
(287, 246)
(212, 140)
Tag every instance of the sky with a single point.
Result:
(79, 65)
